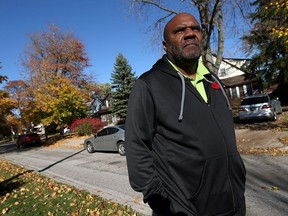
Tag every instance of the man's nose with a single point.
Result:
(190, 33)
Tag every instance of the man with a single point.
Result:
(180, 140)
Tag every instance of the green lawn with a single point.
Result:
(25, 192)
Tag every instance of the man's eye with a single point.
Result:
(197, 29)
(180, 30)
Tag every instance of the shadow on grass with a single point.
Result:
(12, 183)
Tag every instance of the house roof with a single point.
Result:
(240, 80)
(104, 111)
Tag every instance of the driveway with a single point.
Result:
(105, 174)
(271, 141)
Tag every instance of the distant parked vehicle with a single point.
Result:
(259, 107)
(32, 139)
(39, 129)
(66, 130)
(108, 139)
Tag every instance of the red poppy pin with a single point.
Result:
(215, 85)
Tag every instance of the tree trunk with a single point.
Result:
(207, 19)
(219, 55)
(210, 12)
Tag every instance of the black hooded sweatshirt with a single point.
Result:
(181, 151)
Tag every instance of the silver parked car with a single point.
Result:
(108, 139)
(259, 107)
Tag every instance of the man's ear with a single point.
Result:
(164, 45)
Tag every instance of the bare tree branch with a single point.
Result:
(156, 5)
(211, 19)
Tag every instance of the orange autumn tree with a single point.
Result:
(55, 62)
(2, 78)
(21, 93)
(55, 54)
(7, 104)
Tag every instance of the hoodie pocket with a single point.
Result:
(238, 178)
(214, 195)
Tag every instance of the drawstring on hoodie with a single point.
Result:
(182, 97)
(183, 93)
(221, 88)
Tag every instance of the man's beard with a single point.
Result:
(179, 56)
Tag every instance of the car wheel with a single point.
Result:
(89, 147)
(121, 148)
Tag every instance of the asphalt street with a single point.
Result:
(105, 174)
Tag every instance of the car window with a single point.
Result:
(112, 130)
(102, 132)
(254, 100)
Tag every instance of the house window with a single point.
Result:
(222, 72)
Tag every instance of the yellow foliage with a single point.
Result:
(280, 6)
(5, 210)
(59, 99)
(275, 188)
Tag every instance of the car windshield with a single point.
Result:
(254, 100)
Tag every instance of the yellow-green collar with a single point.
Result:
(197, 83)
(201, 70)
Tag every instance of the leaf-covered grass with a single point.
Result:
(26, 192)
